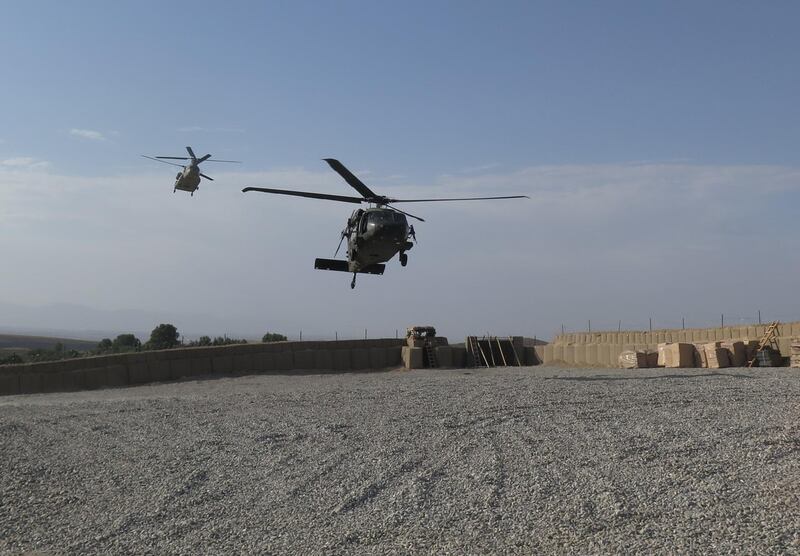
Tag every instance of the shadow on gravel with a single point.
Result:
(658, 377)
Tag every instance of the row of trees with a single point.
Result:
(166, 336)
(163, 336)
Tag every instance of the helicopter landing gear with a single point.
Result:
(353, 283)
(403, 259)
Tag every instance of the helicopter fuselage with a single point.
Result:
(188, 179)
(375, 235)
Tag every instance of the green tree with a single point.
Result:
(273, 337)
(126, 342)
(163, 336)
(12, 359)
(204, 341)
(105, 345)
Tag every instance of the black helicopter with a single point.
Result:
(374, 235)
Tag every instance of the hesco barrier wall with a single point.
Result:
(154, 366)
(602, 349)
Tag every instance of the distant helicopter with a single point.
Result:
(374, 235)
(188, 179)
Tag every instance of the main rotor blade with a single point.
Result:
(206, 177)
(406, 213)
(341, 198)
(348, 176)
(175, 157)
(457, 199)
(191, 153)
(162, 161)
(202, 158)
(215, 160)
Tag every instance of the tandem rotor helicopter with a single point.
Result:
(188, 179)
(374, 235)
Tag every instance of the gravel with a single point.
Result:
(451, 462)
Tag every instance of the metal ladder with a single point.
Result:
(430, 352)
(767, 339)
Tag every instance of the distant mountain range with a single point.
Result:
(87, 323)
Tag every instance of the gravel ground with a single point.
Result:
(462, 461)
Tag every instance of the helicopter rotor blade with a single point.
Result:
(458, 199)
(191, 153)
(174, 157)
(348, 176)
(341, 198)
(215, 160)
(206, 177)
(162, 161)
(203, 158)
(406, 213)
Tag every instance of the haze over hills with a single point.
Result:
(88, 323)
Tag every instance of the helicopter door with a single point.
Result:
(362, 228)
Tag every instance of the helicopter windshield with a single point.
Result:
(383, 218)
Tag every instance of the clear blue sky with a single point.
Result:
(419, 95)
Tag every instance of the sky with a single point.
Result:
(657, 142)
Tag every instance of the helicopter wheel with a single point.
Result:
(403, 259)
(353, 283)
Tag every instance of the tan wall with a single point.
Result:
(603, 348)
(156, 366)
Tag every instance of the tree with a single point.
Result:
(163, 336)
(105, 345)
(204, 341)
(126, 342)
(273, 337)
(12, 359)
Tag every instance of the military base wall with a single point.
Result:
(602, 349)
(108, 371)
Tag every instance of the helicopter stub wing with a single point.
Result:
(343, 266)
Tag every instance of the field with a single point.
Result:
(18, 343)
(459, 461)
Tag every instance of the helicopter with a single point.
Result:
(188, 179)
(375, 234)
